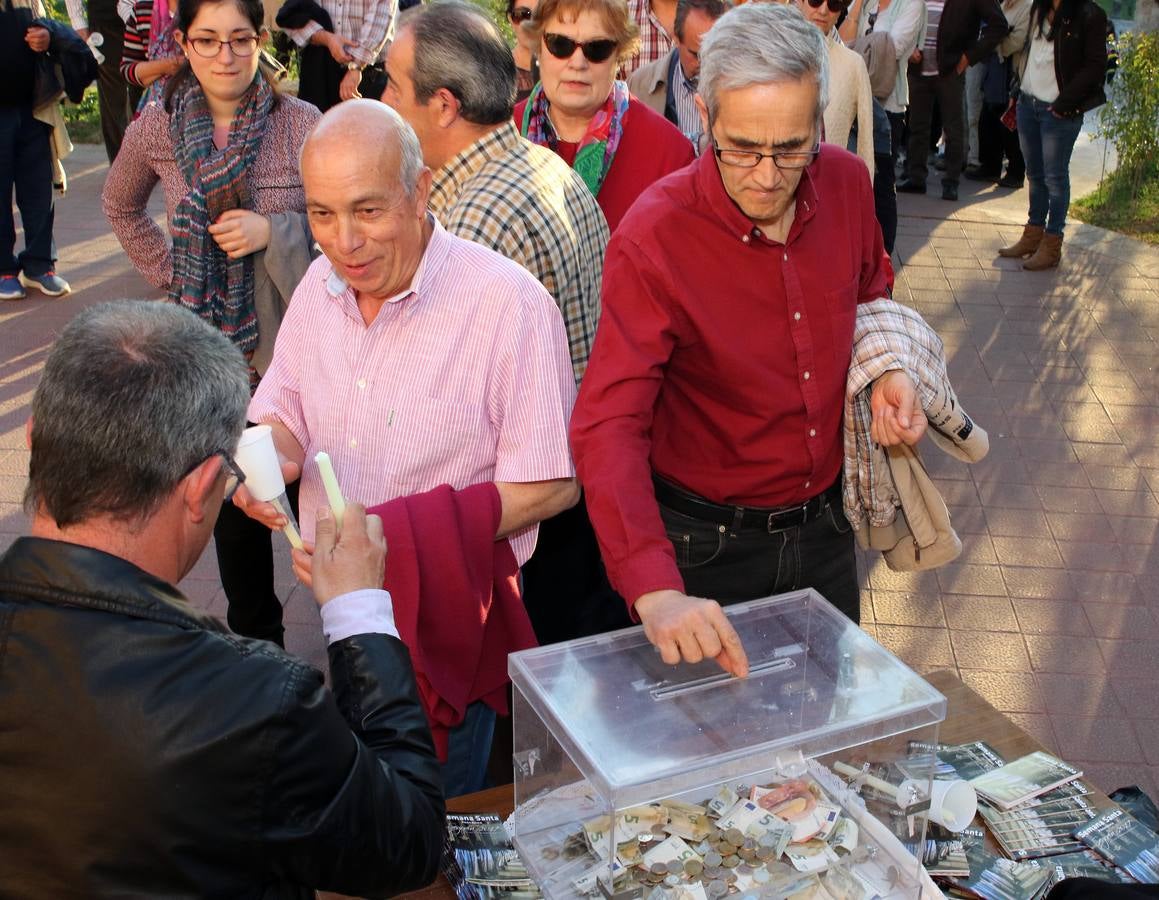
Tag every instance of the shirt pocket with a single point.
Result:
(427, 442)
(841, 305)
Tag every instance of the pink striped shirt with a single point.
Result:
(461, 379)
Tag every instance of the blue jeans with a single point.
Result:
(1047, 142)
(468, 749)
(26, 166)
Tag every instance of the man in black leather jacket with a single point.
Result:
(144, 750)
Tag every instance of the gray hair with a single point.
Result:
(761, 43)
(355, 121)
(458, 48)
(134, 396)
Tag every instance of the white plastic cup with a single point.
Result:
(953, 802)
(257, 457)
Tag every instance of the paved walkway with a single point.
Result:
(1052, 612)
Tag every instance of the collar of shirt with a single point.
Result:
(723, 207)
(449, 180)
(420, 284)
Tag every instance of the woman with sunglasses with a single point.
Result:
(526, 68)
(850, 97)
(581, 111)
(224, 146)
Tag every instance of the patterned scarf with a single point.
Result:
(205, 280)
(162, 45)
(597, 148)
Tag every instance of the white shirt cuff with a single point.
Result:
(369, 611)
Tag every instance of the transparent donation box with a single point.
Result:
(636, 779)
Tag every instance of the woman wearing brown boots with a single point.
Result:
(1061, 78)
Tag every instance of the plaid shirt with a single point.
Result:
(366, 27)
(527, 204)
(655, 42)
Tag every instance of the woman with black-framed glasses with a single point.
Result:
(586, 115)
(224, 146)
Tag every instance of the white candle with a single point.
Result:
(330, 482)
(289, 529)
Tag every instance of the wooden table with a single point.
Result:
(968, 718)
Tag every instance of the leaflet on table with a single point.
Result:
(1126, 842)
(480, 862)
(996, 878)
(1043, 826)
(965, 761)
(1025, 778)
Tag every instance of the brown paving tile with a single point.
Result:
(1048, 584)
(1016, 522)
(1137, 696)
(1108, 587)
(1122, 622)
(1115, 478)
(1103, 454)
(980, 613)
(882, 578)
(1129, 503)
(917, 646)
(1078, 695)
(1064, 653)
(1069, 500)
(1028, 551)
(1037, 725)
(982, 581)
(1105, 738)
(1147, 731)
(1092, 527)
(958, 494)
(1095, 433)
(1008, 496)
(967, 521)
(1051, 451)
(1064, 474)
(890, 608)
(1133, 659)
(998, 651)
(1092, 557)
(1036, 616)
(1109, 777)
(1129, 530)
(1006, 691)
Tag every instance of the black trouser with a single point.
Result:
(995, 140)
(245, 559)
(26, 170)
(117, 98)
(565, 586)
(947, 91)
(732, 567)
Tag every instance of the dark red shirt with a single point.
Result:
(721, 356)
(650, 148)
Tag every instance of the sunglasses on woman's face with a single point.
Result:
(562, 47)
(835, 6)
(522, 14)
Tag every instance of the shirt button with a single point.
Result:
(786, 257)
(806, 376)
(353, 443)
(362, 383)
(808, 483)
(746, 238)
(812, 432)
(796, 317)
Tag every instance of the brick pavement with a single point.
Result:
(1052, 612)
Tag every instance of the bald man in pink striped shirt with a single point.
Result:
(414, 358)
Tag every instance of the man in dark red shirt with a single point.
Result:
(708, 431)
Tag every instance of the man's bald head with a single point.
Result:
(377, 137)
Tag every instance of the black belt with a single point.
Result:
(745, 517)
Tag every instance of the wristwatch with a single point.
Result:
(353, 66)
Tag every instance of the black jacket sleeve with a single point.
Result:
(354, 798)
(994, 28)
(1081, 78)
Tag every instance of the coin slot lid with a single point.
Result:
(667, 690)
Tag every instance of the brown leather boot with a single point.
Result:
(1027, 244)
(1047, 255)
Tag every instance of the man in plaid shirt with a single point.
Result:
(452, 77)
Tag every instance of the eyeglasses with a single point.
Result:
(235, 478)
(782, 159)
(522, 14)
(210, 47)
(835, 6)
(563, 47)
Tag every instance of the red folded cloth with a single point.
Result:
(456, 599)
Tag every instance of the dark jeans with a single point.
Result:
(1047, 143)
(565, 586)
(117, 98)
(924, 90)
(752, 563)
(884, 178)
(26, 167)
(245, 559)
(468, 748)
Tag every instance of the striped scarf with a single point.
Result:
(597, 148)
(205, 280)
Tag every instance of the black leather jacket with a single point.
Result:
(958, 31)
(147, 752)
